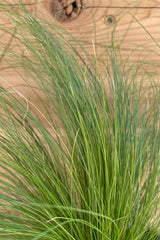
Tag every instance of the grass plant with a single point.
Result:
(90, 169)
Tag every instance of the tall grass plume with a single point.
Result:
(88, 167)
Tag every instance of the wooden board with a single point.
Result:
(136, 25)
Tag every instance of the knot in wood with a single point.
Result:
(65, 10)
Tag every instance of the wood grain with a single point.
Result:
(136, 24)
(136, 27)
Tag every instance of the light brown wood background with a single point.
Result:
(136, 24)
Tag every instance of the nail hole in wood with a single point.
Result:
(109, 20)
(65, 10)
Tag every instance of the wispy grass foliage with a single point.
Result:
(91, 171)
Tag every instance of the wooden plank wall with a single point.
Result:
(127, 16)
(136, 24)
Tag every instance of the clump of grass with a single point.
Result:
(93, 172)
